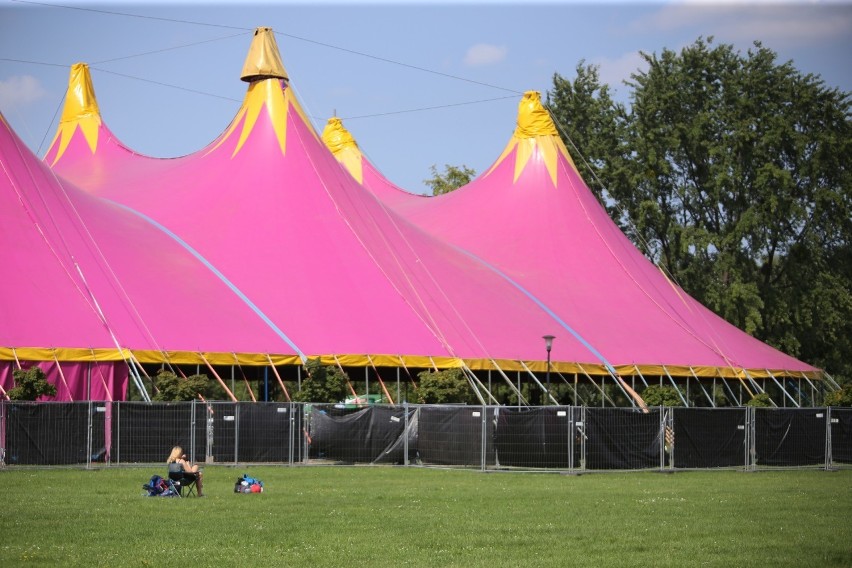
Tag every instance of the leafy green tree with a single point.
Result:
(656, 395)
(760, 400)
(453, 178)
(445, 387)
(30, 384)
(734, 178)
(171, 387)
(594, 128)
(842, 397)
(322, 384)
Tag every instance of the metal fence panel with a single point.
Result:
(622, 438)
(790, 437)
(709, 437)
(456, 435)
(841, 435)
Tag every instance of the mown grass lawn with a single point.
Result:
(391, 516)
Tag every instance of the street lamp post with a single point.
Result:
(548, 344)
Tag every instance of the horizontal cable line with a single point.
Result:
(168, 48)
(376, 57)
(113, 13)
(166, 84)
(427, 108)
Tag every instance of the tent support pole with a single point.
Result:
(707, 396)
(604, 396)
(570, 386)
(783, 390)
(470, 372)
(277, 376)
(676, 388)
(218, 378)
(509, 382)
(541, 386)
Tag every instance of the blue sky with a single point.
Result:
(417, 84)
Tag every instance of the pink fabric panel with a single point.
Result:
(108, 380)
(87, 274)
(562, 246)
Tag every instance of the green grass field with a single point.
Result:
(386, 516)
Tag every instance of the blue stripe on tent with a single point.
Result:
(541, 304)
(218, 274)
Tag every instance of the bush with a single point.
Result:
(170, 387)
(760, 400)
(322, 384)
(656, 395)
(30, 384)
(842, 397)
(445, 387)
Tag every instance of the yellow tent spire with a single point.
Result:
(263, 60)
(81, 109)
(535, 135)
(342, 144)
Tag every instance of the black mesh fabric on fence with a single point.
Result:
(841, 435)
(709, 437)
(53, 433)
(467, 436)
(622, 438)
(267, 431)
(146, 433)
(790, 437)
(536, 437)
(358, 435)
(456, 435)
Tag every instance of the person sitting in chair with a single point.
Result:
(177, 463)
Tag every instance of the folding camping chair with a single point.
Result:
(183, 480)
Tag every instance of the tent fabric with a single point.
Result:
(266, 246)
(343, 274)
(344, 147)
(532, 216)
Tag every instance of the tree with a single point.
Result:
(452, 179)
(734, 178)
(442, 387)
(30, 384)
(656, 395)
(842, 397)
(170, 387)
(593, 127)
(322, 384)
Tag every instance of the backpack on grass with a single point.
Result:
(246, 484)
(159, 487)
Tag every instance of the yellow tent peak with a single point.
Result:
(336, 137)
(533, 118)
(80, 102)
(342, 144)
(263, 60)
(80, 110)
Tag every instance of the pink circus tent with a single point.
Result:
(269, 206)
(265, 247)
(532, 216)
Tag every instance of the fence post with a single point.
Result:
(208, 453)
(405, 434)
(88, 433)
(829, 458)
(2, 433)
(192, 408)
(483, 440)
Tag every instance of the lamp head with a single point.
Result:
(548, 341)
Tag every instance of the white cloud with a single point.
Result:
(734, 22)
(614, 71)
(485, 54)
(19, 91)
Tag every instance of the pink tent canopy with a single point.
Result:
(269, 207)
(532, 216)
(263, 248)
